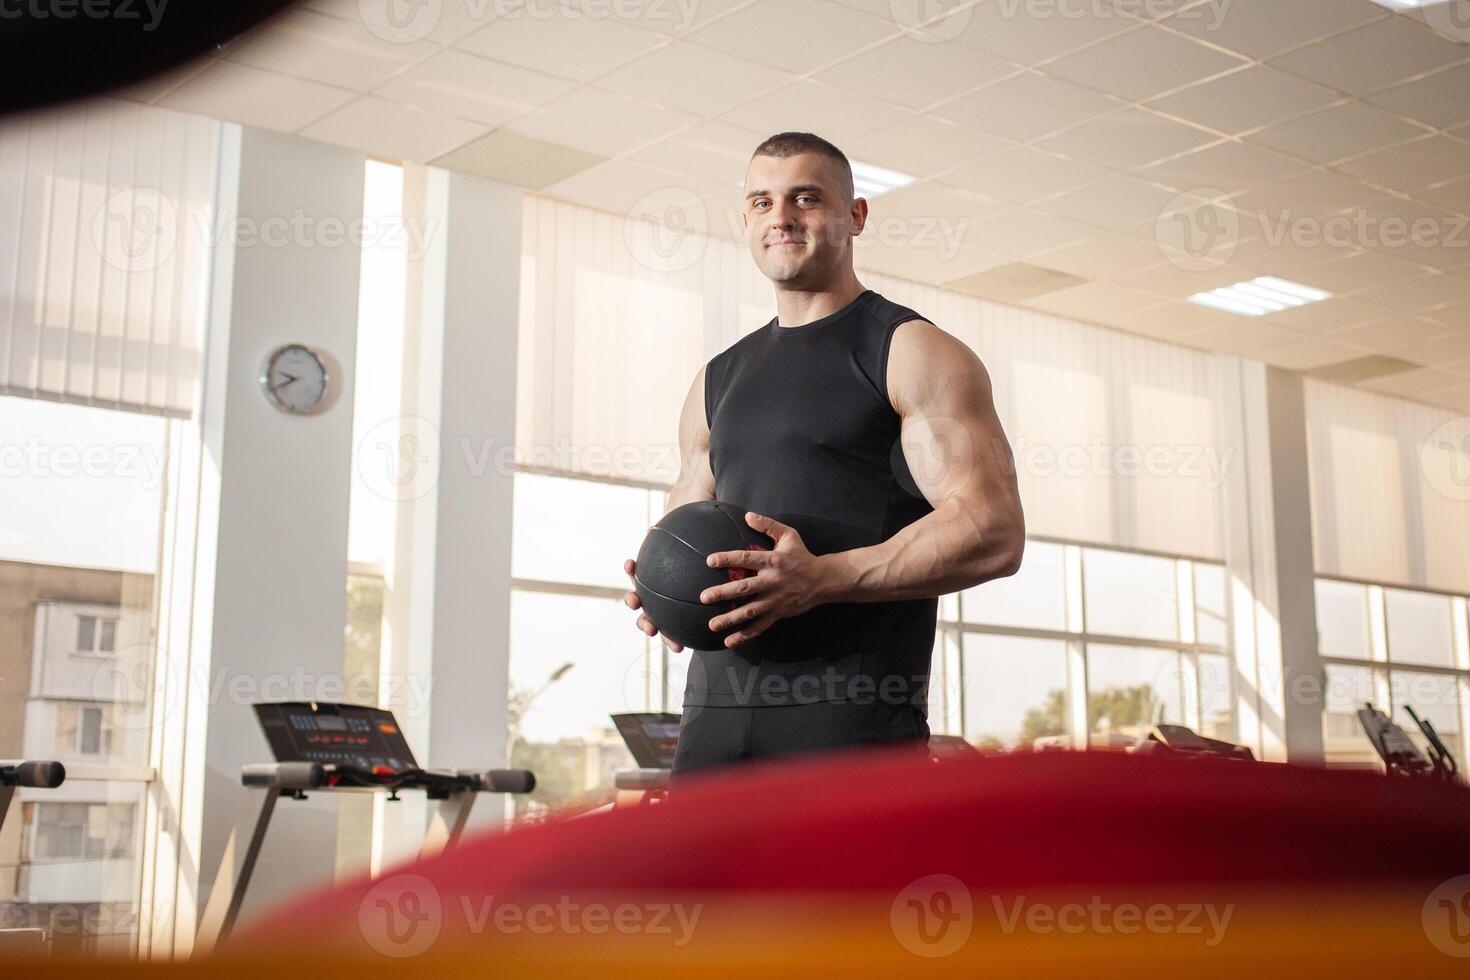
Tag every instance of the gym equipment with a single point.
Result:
(1401, 757)
(1177, 740)
(652, 738)
(34, 775)
(672, 572)
(337, 747)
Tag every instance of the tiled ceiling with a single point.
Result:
(1134, 152)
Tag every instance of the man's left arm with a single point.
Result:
(960, 460)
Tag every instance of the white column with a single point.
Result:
(446, 636)
(253, 599)
(1269, 557)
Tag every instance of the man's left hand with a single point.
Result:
(788, 581)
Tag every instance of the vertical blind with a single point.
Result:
(1116, 437)
(1390, 488)
(105, 208)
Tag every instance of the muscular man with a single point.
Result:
(863, 440)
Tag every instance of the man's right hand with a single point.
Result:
(630, 599)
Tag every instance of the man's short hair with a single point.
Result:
(784, 145)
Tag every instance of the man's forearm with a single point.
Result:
(946, 551)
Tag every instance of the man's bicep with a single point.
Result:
(952, 438)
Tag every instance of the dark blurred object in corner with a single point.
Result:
(53, 51)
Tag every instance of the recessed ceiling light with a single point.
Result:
(1258, 297)
(1407, 4)
(872, 181)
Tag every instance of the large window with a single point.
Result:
(575, 655)
(76, 659)
(1398, 649)
(1088, 647)
(1083, 647)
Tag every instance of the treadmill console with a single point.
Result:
(651, 736)
(345, 734)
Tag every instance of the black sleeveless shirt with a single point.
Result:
(802, 430)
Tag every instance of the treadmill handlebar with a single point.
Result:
(301, 776)
(33, 774)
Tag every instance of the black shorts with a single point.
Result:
(717, 736)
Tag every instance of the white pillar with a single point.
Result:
(1269, 557)
(254, 565)
(447, 607)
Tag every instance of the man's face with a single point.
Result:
(798, 222)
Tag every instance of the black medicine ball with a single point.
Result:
(672, 573)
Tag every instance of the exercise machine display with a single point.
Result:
(652, 738)
(337, 747)
(1401, 757)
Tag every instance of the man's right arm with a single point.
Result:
(696, 482)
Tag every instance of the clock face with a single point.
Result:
(295, 380)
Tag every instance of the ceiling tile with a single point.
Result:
(1179, 282)
(1104, 255)
(1230, 166)
(466, 85)
(1391, 335)
(155, 87)
(1415, 384)
(387, 129)
(1025, 174)
(1120, 204)
(1023, 232)
(1027, 106)
(1411, 166)
(600, 122)
(1356, 271)
(1372, 57)
(1456, 315)
(713, 150)
(931, 265)
(1419, 294)
(621, 187)
(569, 47)
(435, 21)
(1127, 140)
(1338, 132)
(708, 82)
(1244, 336)
(1032, 33)
(923, 146)
(810, 34)
(915, 73)
(237, 93)
(1094, 302)
(672, 19)
(1316, 194)
(1178, 321)
(1307, 353)
(1245, 100)
(1416, 232)
(1261, 28)
(808, 106)
(344, 53)
(1442, 99)
(1328, 316)
(939, 210)
(1142, 63)
(1454, 194)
